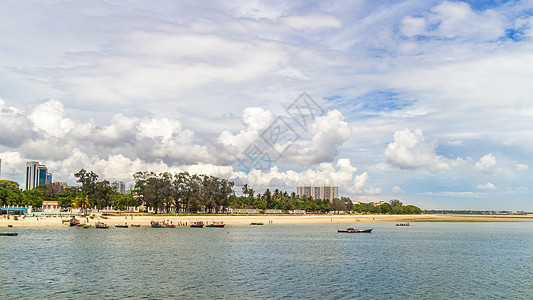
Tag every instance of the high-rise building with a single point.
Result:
(120, 187)
(318, 192)
(35, 174)
(48, 177)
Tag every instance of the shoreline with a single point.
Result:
(266, 219)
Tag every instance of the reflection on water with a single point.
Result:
(425, 260)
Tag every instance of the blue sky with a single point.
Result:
(425, 101)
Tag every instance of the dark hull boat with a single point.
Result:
(199, 224)
(121, 226)
(101, 225)
(155, 224)
(216, 225)
(353, 230)
(9, 233)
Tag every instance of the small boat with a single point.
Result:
(156, 224)
(10, 226)
(121, 225)
(73, 222)
(86, 226)
(135, 225)
(198, 224)
(101, 225)
(257, 223)
(9, 233)
(354, 230)
(216, 225)
(402, 224)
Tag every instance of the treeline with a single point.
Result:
(394, 207)
(183, 192)
(280, 200)
(284, 201)
(91, 194)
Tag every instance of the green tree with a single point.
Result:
(83, 202)
(33, 197)
(10, 193)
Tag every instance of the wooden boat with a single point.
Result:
(216, 225)
(121, 225)
(198, 224)
(257, 223)
(73, 222)
(402, 224)
(354, 230)
(10, 226)
(156, 224)
(101, 225)
(9, 233)
(135, 225)
(86, 226)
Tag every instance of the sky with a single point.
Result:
(429, 102)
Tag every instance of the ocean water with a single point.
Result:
(423, 261)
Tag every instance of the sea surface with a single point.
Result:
(422, 261)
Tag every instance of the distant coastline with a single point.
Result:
(144, 220)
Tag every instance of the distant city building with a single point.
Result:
(120, 187)
(318, 192)
(35, 174)
(59, 187)
(49, 178)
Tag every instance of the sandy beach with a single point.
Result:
(266, 219)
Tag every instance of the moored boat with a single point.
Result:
(256, 223)
(354, 230)
(216, 225)
(156, 224)
(73, 222)
(198, 224)
(101, 225)
(135, 225)
(402, 224)
(9, 233)
(121, 225)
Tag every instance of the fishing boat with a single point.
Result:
(354, 230)
(402, 224)
(156, 224)
(101, 225)
(73, 222)
(257, 223)
(216, 225)
(9, 233)
(86, 226)
(135, 225)
(121, 225)
(198, 224)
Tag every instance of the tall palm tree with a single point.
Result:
(83, 202)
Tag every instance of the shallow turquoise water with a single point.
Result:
(423, 261)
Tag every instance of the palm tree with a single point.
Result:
(83, 202)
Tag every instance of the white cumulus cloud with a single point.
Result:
(486, 163)
(486, 186)
(409, 150)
